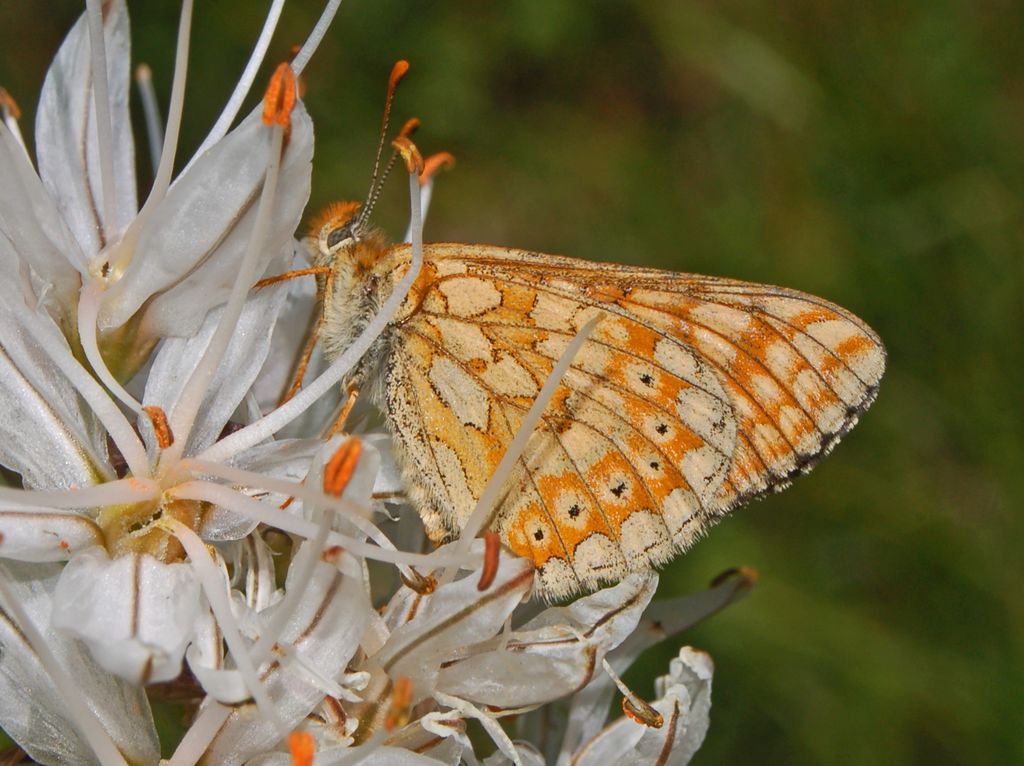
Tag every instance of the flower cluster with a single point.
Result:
(160, 531)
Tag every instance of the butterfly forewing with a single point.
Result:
(692, 394)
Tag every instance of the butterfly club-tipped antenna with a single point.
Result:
(377, 178)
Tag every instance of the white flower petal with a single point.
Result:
(368, 755)
(207, 647)
(44, 433)
(225, 686)
(34, 233)
(285, 459)
(432, 628)
(224, 525)
(442, 735)
(135, 613)
(661, 620)
(684, 704)
(31, 711)
(528, 756)
(178, 357)
(261, 591)
(282, 459)
(36, 534)
(553, 655)
(66, 136)
(271, 759)
(188, 252)
(389, 478)
(668, 617)
(320, 639)
(290, 335)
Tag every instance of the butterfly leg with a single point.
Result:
(317, 271)
(314, 334)
(346, 409)
(303, 364)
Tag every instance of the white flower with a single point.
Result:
(191, 530)
(37, 707)
(90, 285)
(432, 661)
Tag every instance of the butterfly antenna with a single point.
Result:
(398, 71)
(410, 127)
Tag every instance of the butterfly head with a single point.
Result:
(336, 228)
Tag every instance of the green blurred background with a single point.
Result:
(868, 152)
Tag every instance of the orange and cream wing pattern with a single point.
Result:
(692, 395)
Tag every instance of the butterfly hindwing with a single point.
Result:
(692, 394)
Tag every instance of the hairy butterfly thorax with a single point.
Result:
(352, 291)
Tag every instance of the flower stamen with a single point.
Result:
(230, 111)
(257, 511)
(125, 249)
(11, 113)
(633, 706)
(279, 99)
(104, 128)
(492, 553)
(212, 582)
(183, 416)
(162, 429)
(204, 728)
(151, 112)
(339, 469)
(434, 164)
(315, 37)
(400, 706)
(302, 748)
(117, 492)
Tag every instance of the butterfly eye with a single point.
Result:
(339, 235)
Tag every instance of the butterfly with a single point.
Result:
(692, 395)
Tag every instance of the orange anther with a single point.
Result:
(339, 469)
(748, 576)
(332, 554)
(401, 701)
(164, 437)
(422, 584)
(492, 552)
(279, 100)
(410, 127)
(642, 713)
(410, 154)
(8, 104)
(302, 747)
(434, 163)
